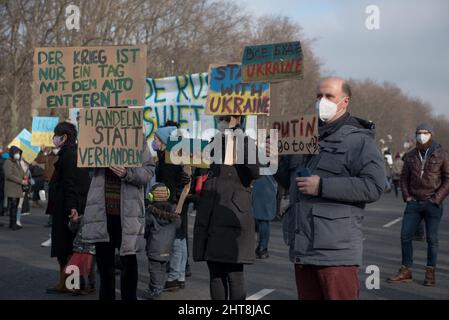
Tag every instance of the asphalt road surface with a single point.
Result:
(26, 268)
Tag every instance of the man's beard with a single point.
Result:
(424, 146)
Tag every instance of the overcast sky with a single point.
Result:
(411, 49)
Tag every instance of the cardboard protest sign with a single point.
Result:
(227, 94)
(110, 137)
(42, 131)
(181, 99)
(192, 149)
(268, 62)
(296, 134)
(90, 76)
(23, 141)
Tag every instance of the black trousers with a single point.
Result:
(13, 203)
(105, 255)
(227, 281)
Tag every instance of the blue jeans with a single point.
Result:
(264, 233)
(157, 271)
(413, 215)
(178, 261)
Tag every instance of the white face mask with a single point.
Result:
(222, 126)
(326, 109)
(423, 138)
(55, 151)
(16, 156)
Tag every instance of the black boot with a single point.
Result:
(188, 271)
(13, 218)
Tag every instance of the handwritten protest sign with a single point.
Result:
(270, 62)
(23, 141)
(296, 134)
(227, 94)
(110, 137)
(90, 76)
(181, 99)
(42, 131)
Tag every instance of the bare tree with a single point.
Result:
(182, 36)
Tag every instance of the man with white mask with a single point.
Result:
(424, 185)
(328, 194)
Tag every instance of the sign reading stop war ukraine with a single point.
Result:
(297, 135)
(268, 62)
(110, 137)
(227, 95)
(90, 76)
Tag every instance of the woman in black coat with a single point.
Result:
(67, 194)
(224, 233)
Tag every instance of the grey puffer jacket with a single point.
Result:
(132, 207)
(326, 230)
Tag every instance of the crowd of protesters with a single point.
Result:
(95, 213)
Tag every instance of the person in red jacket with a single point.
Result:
(424, 185)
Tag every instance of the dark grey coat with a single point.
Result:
(326, 230)
(224, 226)
(160, 233)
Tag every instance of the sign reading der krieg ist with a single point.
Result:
(227, 95)
(268, 62)
(297, 135)
(110, 137)
(90, 76)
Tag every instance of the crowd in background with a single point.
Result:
(98, 215)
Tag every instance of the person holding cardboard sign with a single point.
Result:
(115, 218)
(224, 227)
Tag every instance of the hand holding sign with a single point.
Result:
(309, 185)
(74, 216)
(119, 171)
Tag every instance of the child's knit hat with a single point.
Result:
(163, 133)
(159, 192)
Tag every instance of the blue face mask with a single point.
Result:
(155, 145)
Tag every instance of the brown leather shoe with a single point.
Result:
(429, 281)
(403, 276)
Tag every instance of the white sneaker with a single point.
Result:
(19, 223)
(46, 243)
